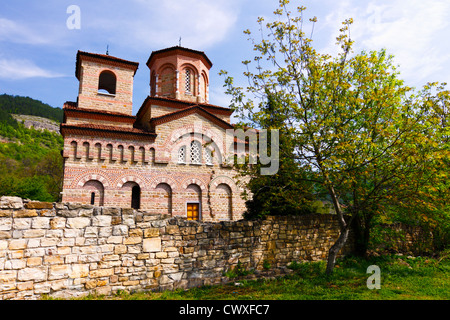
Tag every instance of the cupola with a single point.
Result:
(179, 73)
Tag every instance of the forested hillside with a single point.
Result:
(30, 160)
(26, 105)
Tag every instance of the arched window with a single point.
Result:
(182, 155)
(196, 152)
(164, 198)
(167, 81)
(193, 197)
(87, 151)
(136, 197)
(187, 81)
(96, 192)
(142, 152)
(121, 154)
(203, 88)
(224, 198)
(98, 148)
(109, 148)
(73, 147)
(107, 82)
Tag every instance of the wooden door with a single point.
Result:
(193, 211)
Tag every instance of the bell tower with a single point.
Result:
(106, 82)
(179, 73)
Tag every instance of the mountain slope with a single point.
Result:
(25, 105)
(30, 160)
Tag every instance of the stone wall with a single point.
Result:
(66, 250)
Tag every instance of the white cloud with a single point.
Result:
(200, 23)
(414, 32)
(12, 31)
(22, 69)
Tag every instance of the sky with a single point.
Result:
(39, 39)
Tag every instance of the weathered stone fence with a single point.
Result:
(69, 250)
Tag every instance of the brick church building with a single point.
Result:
(168, 158)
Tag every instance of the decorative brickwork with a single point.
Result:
(168, 155)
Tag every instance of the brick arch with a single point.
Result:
(191, 67)
(100, 70)
(197, 181)
(223, 180)
(176, 134)
(121, 180)
(163, 179)
(96, 175)
(165, 66)
(203, 74)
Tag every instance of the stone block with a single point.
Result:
(11, 202)
(17, 244)
(7, 276)
(33, 233)
(132, 240)
(120, 230)
(151, 232)
(5, 213)
(58, 223)
(78, 223)
(36, 274)
(101, 273)
(40, 223)
(102, 221)
(38, 205)
(66, 213)
(25, 213)
(172, 229)
(79, 271)
(152, 245)
(5, 224)
(111, 211)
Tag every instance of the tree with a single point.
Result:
(361, 134)
(285, 192)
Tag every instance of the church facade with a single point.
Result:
(168, 158)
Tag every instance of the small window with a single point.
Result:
(187, 81)
(92, 198)
(196, 152)
(136, 197)
(107, 83)
(182, 155)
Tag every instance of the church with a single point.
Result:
(169, 158)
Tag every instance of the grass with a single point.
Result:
(401, 278)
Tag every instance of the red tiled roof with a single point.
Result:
(107, 131)
(71, 110)
(186, 51)
(180, 104)
(114, 61)
(185, 112)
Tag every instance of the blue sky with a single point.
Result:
(38, 50)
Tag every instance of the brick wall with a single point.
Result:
(114, 164)
(68, 250)
(89, 96)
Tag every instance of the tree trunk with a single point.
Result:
(361, 227)
(334, 250)
(344, 227)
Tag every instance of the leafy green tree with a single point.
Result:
(367, 139)
(286, 192)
